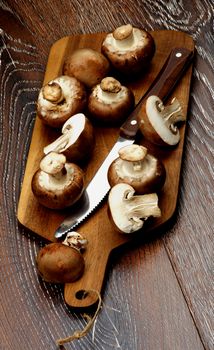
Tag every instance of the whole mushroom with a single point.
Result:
(77, 139)
(57, 184)
(129, 49)
(87, 65)
(59, 99)
(110, 102)
(128, 211)
(144, 172)
(158, 122)
(59, 263)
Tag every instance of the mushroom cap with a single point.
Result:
(129, 55)
(142, 171)
(58, 192)
(58, 263)
(127, 211)
(54, 109)
(110, 106)
(77, 139)
(154, 127)
(87, 65)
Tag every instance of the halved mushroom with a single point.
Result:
(158, 122)
(144, 172)
(77, 139)
(110, 102)
(129, 49)
(57, 184)
(127, 211)
(58, 263)
(60, 99)
(87, 65)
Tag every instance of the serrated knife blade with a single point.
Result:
(173, 69)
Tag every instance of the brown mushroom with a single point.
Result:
(158, 122)
(77, 139)
(110, 102)
(129, 49)
(128, 211)
(134, 166)
(59, 263)
(87, 65)
(57, 184)
(60, 99)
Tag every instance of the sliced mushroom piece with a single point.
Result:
(57, 184)
(87, 65)
(60, 99)
(129, 49)
(77, 139)
(158, 122)
(110, 102)
(128, 211)
(134, 166)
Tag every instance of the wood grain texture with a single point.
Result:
(98, 230)
(158, 294)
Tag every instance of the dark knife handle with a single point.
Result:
(177, 62)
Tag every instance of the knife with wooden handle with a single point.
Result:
(171, 72)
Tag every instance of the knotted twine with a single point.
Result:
(81, 333)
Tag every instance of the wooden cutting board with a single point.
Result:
(102, 238)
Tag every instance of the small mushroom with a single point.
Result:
(58, 263)
(75, 240)
(144, 172)
(158, 122)
(77, 139)
(60, 99)
(128, 211)
(57, 184)
(87, 65)
(110, 102)
(129, 49)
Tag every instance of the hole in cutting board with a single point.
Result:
(81, 294)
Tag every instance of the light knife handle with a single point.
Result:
(177, 62)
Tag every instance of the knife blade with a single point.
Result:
(171, 72)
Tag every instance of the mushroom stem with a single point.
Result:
(171, 114)
(124, 36)
(53, 92)
(141, 207)
(54, 165)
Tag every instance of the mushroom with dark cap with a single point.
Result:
(59, 99)
(158, 122)
(144, 172)
(57, 184)
(87, 65)
(110, 102)
(129, 49)
(128, 211)
(77, 139)
(59, 263)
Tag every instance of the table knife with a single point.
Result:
(171, 72)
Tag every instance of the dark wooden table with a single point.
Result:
(158, 295)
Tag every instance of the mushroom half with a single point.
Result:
(110, 102)
(134, 166)
(87, 65)
(57, 184)
(77, 139)
(129, 49)
(158, 123)
(128, 211)
(60, 99)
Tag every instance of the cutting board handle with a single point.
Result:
(171, 72)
